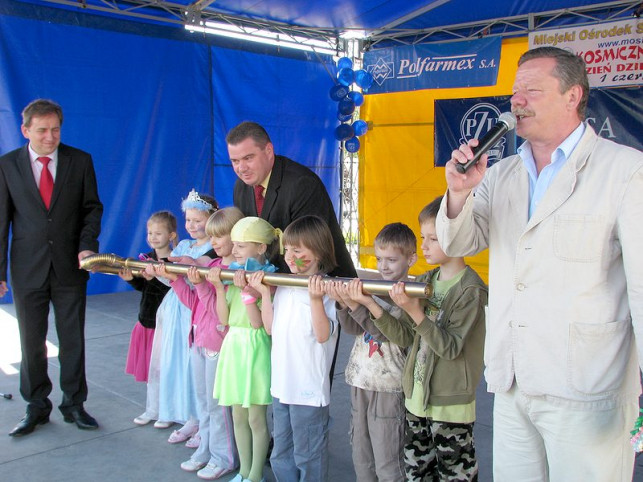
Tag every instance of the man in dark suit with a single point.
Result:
(49, 198)
(283, 189)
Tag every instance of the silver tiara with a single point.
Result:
(194, 201)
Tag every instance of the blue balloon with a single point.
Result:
(352, 144)
(357, 97)
(345, 76)
(346, 106)
(344, 63)
(344, 132)
(344, 117)
(338, 92)
(360, 127)
(363, 79)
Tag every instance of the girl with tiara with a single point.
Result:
(217, 453)
(161, 234)
(243, 374)
(177, 399)
(304, 334)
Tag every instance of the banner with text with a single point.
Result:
(471, 63)
(612, 51)
(457, 121)
(613, 114)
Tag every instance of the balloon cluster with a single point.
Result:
(347, 100)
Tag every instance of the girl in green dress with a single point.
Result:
(243, 373)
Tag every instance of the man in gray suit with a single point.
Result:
(49, 198)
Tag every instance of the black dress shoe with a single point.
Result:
(81, 418)
(28, 424)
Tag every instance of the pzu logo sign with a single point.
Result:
(476, 122)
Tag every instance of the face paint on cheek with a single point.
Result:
(301, 263)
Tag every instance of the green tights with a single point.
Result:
(252, 437)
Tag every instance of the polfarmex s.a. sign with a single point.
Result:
(613, 52)
(469, 63)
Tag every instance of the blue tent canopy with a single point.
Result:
(402, 20)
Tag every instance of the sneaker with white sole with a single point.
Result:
(192, 465)
(211, 472)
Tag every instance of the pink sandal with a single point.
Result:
(179, 436)
(194, 441)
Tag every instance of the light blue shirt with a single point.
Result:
(538, 184)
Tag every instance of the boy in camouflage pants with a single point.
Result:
(444, 365)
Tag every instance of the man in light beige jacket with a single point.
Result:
(563, 221)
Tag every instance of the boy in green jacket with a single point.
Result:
(446, 335)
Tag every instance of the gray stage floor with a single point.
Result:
(122, 451)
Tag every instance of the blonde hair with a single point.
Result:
(398, 236)
(222, 221)
(430, 211)
(313, 233)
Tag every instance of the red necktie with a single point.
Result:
(46, 181)
(259, 198)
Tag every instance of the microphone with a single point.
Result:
(506, 122)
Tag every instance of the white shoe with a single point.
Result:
(212, 471)
(192, 465)
(143, 419)
(162, 424)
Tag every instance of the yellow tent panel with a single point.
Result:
(397, 177)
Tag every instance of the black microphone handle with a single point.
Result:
(484, 144)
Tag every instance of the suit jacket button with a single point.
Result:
(50, 242)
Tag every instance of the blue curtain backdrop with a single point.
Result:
(153, 111)
(289, 98)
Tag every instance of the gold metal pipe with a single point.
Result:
(107, 262)
(114, 270)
